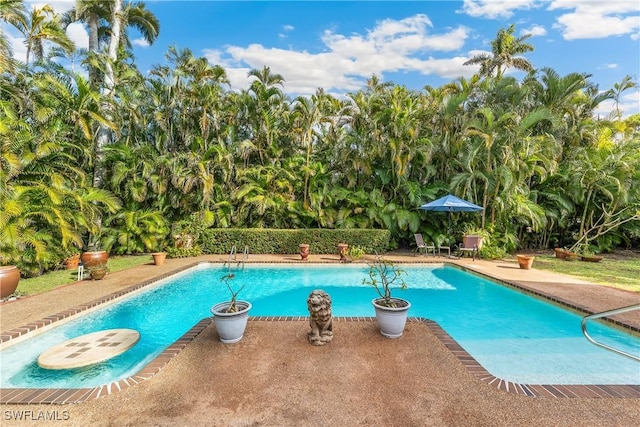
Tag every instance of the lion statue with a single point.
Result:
(320, 320)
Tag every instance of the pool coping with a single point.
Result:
(75, 395)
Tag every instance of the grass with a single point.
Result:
(49, 281)
(616, 273)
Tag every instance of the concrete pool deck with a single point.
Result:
(348, 382)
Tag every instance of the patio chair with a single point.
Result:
(421, 245)
(471, 244)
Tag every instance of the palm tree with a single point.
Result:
(44, 25)
(265, 110)
(12, 12)
(98, 16)
(618, 88)
(504, 49)
(307, 116)
(109, 21)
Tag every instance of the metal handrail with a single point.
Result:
(609, 313)
(245, 255)
(232, 257)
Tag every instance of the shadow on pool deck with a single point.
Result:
(274, 377)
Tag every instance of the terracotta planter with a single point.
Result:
(72, 262)
(525, 261)
(159, 257)
(560, 253)
(570, 256)
(9, 278)
(342, 250)
(98, 273)
(304, 251)
(93, 259)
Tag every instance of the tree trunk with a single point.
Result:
(94, 78)
(104, 133)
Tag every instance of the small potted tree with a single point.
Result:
(230, 317)
(391, 312)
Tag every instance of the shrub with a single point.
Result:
(492, 252)
(278, 241)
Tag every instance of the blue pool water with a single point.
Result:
(514, 336)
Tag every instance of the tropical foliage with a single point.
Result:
(121, 155)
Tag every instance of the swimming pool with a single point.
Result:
(514, 336)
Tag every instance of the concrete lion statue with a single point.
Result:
(320, 320)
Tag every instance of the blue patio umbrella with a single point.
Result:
(450, 203)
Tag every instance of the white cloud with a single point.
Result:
(78, 35)
(597, 19)
(534, 30)
(286, 28)
(493, 9)
(629, 105)
(18, 46)
(611, 66)
(348, 60)
(59, 6)
(142, 42)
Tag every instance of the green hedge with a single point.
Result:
(273, 241)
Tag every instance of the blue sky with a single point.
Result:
(338, 45)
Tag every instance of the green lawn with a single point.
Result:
(48, 281)
(618, 273)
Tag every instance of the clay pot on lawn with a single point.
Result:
(570, 256)
(525, 261)
(94, 258)
(9, 278)
(98, 272)
(159, 257)
(72, 262)
(560, 253)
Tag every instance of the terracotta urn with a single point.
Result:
(525, 261)
(560, 253)
(98, 272)
(94, 258)
(9, 278)
(72, 262)
(159, 257)
(342, 250)
(304, 251)
(571, 256)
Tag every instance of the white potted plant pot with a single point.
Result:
(392, 320)
(231, 326)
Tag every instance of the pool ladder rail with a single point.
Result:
(234, 258)
(613, 312)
